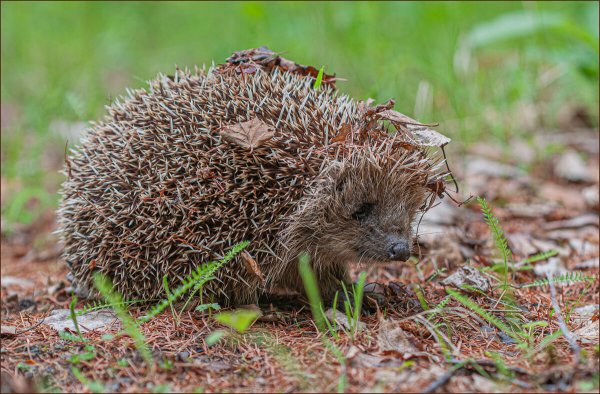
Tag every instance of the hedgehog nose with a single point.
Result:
(400, 251)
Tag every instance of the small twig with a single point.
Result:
(561, 323)
(490, 363)
(442, 380)
(449, 170)
(30, 328)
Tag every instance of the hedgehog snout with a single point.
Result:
(398, 248)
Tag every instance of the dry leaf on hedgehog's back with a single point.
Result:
(251, 265)
(419, 134)
(266, 58)
(424, 136)
(370, 111)
(250, 134)
(343, 134)
(396, 117)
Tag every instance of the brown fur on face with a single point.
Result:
(356, 212)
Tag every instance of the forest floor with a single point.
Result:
(504, 335)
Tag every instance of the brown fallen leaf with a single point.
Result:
(591, 263)
(531, 210)
(9, 331)
(591, 196)
(521, 244)
(554, 266)
(360, 359)
(342, 321)
(17, 383)
(588, 333)
(101, 321)
(571, 167)
(563, 195)
(7, 281)
(251, 265)
(467, 277)
(588, 219)
(250, 134)
(392, 337)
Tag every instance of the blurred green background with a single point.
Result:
(484, 71)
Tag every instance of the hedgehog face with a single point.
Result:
(371, 210)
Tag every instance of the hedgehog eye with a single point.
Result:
(364, 211)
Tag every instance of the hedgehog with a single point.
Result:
(259, 149)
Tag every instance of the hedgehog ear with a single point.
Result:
(338, 173)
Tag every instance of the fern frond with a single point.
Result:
(130, 325)
(104, 304)
(197, 278)
(566, 278)
(498, 235)
(472, 305)
(440, 306)
(497, 231)
(443, 303)
(539, 257)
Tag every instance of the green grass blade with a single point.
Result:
(312, 292)
(472, 305)
(319, 79)
(130, 325)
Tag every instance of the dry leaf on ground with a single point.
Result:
(469, 277)
(392, 338)
(570, 166)
(8, 330)
(342, 321)
(60, 320)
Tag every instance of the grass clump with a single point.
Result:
(352, 309)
